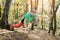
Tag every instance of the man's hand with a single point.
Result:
(43, 16)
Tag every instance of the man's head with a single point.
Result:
(33, 12)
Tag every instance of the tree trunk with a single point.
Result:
(36, 4)
(53, 18)
(0, 10)
(51, 24)
(54, 15)
(31, 4)
(4, 21)
(42, 14)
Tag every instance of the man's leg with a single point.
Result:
(16, 25)
(32, 28)
(50, 28)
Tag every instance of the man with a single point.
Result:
(28, 18)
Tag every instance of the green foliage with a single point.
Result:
(18, 10)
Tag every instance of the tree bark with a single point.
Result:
(42, 14)
(36, 4)
(53, 18)
(54, 15)
(0, 10)
(31, 4)
(4, 21)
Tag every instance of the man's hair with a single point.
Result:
(33, 10)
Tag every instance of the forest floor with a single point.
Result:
(21, 34)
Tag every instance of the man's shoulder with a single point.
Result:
(36, 14)
(27, 15)
(28, 12)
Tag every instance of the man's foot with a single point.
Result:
(53, 33)
(11, 28)
(32, 28)
(24, 29)
(49, 32)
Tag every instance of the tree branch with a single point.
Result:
(57, 7)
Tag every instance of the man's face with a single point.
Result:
(32, 13)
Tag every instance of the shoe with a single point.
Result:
(11, 28)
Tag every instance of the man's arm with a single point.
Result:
(25, 22)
